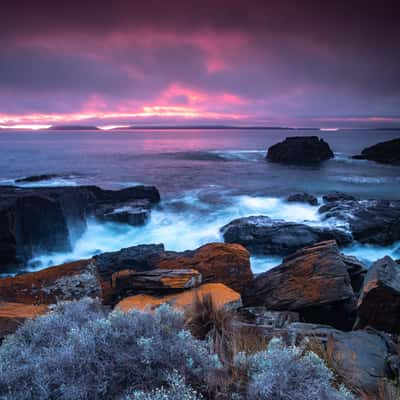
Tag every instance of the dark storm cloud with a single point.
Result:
(281, 59)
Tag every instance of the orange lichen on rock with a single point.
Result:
(221, 295)
(14, 314)
(217, 262)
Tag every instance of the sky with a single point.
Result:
(115, 63)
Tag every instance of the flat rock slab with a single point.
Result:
(265, 236)
(156, 280)
(379, 302)
(221, 295)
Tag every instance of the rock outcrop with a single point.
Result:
(379, 302)
(303, 198)
(134, 270)
(337, 196)
(384, 152)
(313, 281)
(301, 150)
(221, 295)
(69, 281)
(217, 262)
(12, 315)
(47, 219)
(265, 236)
(128, 282)
(370, 221)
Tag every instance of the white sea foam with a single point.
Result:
(240, 155)
(368, 253)
(195, 223)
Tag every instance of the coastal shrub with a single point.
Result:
(207, 321)
(176, 389)
(286, 373)
(80, 352)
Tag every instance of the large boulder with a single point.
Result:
(313, 281)
(265, 236)
(48, 219)
(384, 152)
(300, 150)
(221, 296)
(360, 359)
(217, 262)
(370, 221)
(379, 302)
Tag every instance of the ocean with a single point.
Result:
(206, 179)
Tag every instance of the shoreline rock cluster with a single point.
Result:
(48, 219)
(316, 294)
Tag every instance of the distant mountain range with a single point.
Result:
(73, 128)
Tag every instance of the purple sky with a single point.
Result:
(328, 64)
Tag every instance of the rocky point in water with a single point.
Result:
(384, 153)
(265, 236)
(370, 221)
(42, 219)
(301, 150)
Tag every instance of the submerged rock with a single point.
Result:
(384, 152)
(303, 198)
(313, 281)
(379, 303)
(46, 219)
(337, 196)
(37, 178)
(263, 235)
(300, 150)
(370, 221)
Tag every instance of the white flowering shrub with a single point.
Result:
(79, 352)
(176, 389)
(287, 373)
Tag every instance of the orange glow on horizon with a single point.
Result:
(42, 121)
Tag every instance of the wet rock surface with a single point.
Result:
(302, 198)
(300, 150)
(370, 221)
(44, 219)
(262, 235)
(384, 152)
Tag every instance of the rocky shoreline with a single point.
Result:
(317, 293)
